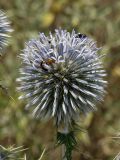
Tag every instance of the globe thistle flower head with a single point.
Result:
(5, 29)
(61, 76)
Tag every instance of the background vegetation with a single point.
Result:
(99, 19)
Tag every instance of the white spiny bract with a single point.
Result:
(10, 153)
(4, 30)
(62, 76)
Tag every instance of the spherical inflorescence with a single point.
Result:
(62, 76)
(4, 30)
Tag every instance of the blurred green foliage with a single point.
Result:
(99, 19)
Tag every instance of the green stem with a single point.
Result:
(63, 152)
(67, 140)
(64, 149)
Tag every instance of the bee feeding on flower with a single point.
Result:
(61, 76)
(5, 29)
(47, 62)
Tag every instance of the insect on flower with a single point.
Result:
(82, 36)
(46, 62)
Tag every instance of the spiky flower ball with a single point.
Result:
(4, 30)
(62, 76)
